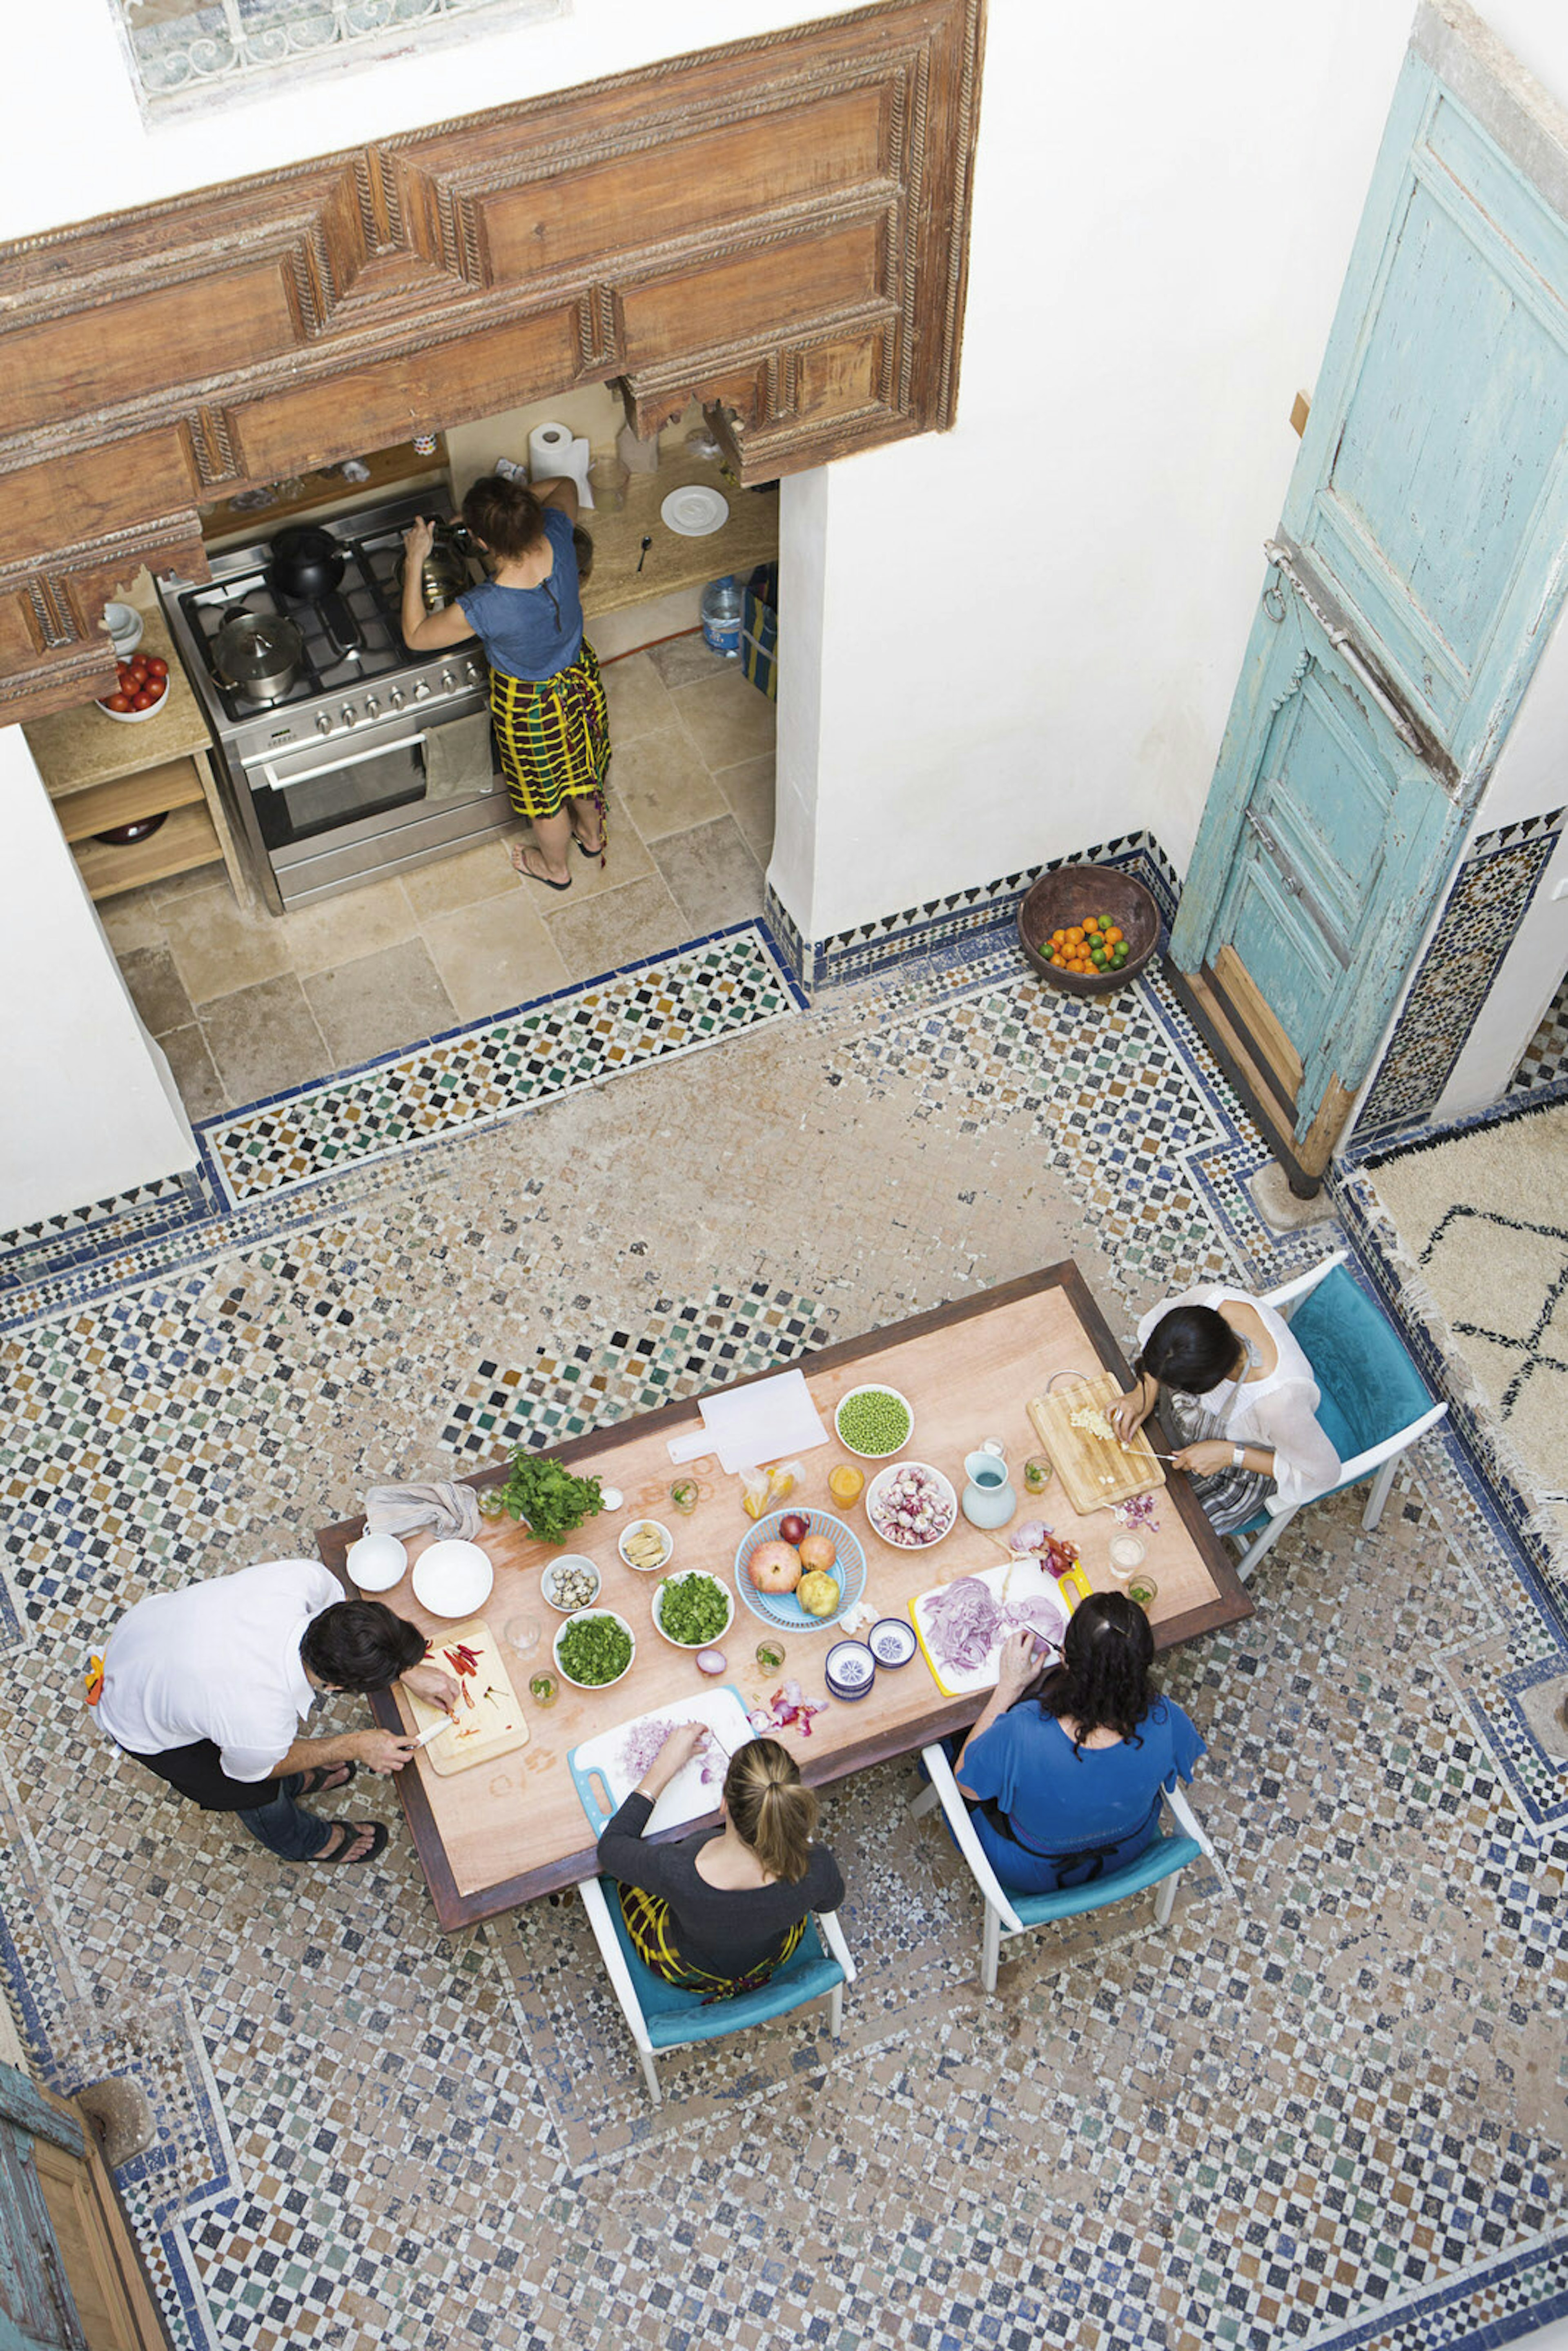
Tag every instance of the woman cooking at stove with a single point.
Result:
(547, 703)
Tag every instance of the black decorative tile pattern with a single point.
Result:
(1496, 880)
(1545, 1057)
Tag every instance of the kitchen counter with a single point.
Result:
(74, 748)
(749, 536)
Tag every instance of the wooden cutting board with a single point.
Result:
(1095, 1471)
(493, 1725)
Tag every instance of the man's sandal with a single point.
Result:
(325, 1779)
(346, 1832)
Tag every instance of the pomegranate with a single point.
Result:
(775, 1567)
(818, 1552)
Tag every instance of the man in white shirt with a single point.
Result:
(208, 1686)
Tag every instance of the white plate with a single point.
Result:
(453, 1578)
(695, 512)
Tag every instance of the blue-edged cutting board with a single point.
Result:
(600, 1779)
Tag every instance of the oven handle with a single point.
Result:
(335, 766)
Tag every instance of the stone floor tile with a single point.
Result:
(155, 988)
(749, 791)
(637, 699)
(686, 660)
(495, 954)
(220, 946)
(378, 1002)
(620, 927)
(134, 919)
(662, 786)
(726, 718)
(341, 930)
(711, 873)
(462, 880)
(263, 1038)
(192, 1066)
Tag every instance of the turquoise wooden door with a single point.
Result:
(1411, 584)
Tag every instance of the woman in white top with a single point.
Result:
(1241, 1394)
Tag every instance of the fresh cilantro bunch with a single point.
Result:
(547, 1499)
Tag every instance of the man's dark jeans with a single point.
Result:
(266, 1807)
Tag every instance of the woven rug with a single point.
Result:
(1483, 1221)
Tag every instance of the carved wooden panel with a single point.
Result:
(776, 227)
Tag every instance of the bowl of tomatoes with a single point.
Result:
(142, 690)
(1088, 929)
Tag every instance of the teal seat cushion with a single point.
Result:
(1165, 1856)
(1371, 1389)
(674, 2015)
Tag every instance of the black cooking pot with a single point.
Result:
(306, 564)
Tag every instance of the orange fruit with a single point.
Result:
(1113, 934)
(1057, 937)
(1091, 921)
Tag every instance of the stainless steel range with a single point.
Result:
(326, 782)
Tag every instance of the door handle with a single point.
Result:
(333, 767)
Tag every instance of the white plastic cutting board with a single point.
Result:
(762, 1422)
(1025, 1580)
(600, 1779)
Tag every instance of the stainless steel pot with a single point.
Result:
(444, 573)
(259, 654)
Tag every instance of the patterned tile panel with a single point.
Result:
(1495, 883)
(1545, 1057)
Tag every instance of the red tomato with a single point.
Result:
(145, 699)
(139, 671)
(156, 668)
(118, 702)
(122, 672)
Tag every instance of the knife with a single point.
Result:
(447, 1722)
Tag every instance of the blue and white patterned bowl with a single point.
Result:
(781, 1609)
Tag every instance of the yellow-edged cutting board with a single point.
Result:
(1095, 1471)
(492, 1724)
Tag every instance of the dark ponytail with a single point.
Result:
(504, 516)
(1102, 1681)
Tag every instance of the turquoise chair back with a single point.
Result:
(1370, 1387)
(1166, 1854)
(674, 2015)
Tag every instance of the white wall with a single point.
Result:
(90, 1105)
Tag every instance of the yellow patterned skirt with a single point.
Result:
(648, 1923)
(553, 736)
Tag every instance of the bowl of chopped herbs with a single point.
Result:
(692, 1609)
(550, 1502)
(594, 1648)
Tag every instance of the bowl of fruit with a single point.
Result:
(1088, 928)
(142, 689)
(800, 1570)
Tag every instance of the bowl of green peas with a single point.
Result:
(874, 1421)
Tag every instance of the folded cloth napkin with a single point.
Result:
(457, 761)
(450, 1509)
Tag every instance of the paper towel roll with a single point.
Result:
(552, 452)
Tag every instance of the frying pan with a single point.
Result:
(307, 563)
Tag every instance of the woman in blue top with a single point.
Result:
(1067, 1772)
(547, 703)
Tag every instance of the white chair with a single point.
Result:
(663, 2016)
(1373, 1403)
(1009, 1914)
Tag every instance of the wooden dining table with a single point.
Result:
(501, 1834)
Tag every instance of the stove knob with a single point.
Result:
(396, 697)
(372, 705)
(323, 722)
(447, 681)
(421, 691)
(349, 713)
(471, 669)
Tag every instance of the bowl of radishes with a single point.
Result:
(142, 690)
(911, 1505)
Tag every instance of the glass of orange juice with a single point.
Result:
(845, 1482)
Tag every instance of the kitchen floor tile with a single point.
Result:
(637, 699)
(711, 873)
(620, 927)
(727, 719)
(132, 920)
(192, 1068)
(628, 631)
(663, 785)
(378, 1002)
(495, 955)
(190, 883)
(685, 660)
(749, 788)
(483, 871)
(342, 930)
(264, 1040)
(219, 946)
(155, 989)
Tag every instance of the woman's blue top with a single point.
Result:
(531, 633)
(1084, 1814)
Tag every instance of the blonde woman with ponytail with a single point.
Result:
(719, 1912)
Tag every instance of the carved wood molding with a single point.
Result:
(778, 227)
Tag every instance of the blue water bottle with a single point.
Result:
(721, 606)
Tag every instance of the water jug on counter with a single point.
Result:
(720, 610)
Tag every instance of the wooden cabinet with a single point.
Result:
(70, 2279)
(778, 228)
(101, 775)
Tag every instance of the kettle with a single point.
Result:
(444, 573)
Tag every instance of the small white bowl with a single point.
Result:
(126, 628)
(654, 1565)
(872, 1387)
(878, 1487)
(453, 1578)
(572, 1559)
(135, 717)
(376, 1562)
(681, 1575)
(578, 1618)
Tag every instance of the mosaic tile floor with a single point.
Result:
(1326, 2107)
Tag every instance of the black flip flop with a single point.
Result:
(379, 1835)
(313, 1782)
(542, 879)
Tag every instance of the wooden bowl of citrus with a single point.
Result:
(1088, 929)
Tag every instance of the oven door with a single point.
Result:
(309, 792)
